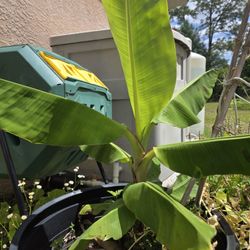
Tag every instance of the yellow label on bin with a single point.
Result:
(66, 70)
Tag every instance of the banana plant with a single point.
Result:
(143, 36)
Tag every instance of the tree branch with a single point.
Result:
(235, 69)
(237, 80)
(239, 39)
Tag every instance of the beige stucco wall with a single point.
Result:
(35, 21)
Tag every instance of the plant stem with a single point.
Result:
(137, 240)
(188, 190)
(141, 170)
(27, 202)
(135, 143)
(4, 228)
(146, 135)
(209, 212)
(200, 191)
(138, 152)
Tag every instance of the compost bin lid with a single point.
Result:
(68, 70)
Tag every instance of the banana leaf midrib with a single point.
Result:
(132, 67)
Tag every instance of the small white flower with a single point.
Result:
(71, 182)
(36, 183)
(38, 186)
(4, 246)
(21, 183)
(24, 217)
(76, 169)
(81, 176)
(66, 184)
(9, 216)
(31, 193)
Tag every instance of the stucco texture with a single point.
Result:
(35, 21)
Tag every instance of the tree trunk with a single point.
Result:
(240, 53)
(235, 69)
(210, 39)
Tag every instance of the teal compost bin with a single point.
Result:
(47, 71)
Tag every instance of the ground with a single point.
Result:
(243, 114)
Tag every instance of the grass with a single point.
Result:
(243, 114)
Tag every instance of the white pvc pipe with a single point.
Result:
(116, 172)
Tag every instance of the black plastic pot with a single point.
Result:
(54, 219)
(225, 237)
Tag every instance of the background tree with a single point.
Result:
(218, 23)
(245, 74)
(244, 90)
(232, 80)
(188, 30)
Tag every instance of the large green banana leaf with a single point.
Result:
(144, 39)
(182, 110)
(107, 153)
(229, 155)
(40, 117)
(175, 226)
(113, 225)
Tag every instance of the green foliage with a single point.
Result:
(218, 85)
(167, 217)
(116, 193)
(113, 225)
(188, 30)
(230, 155)
(140, 239)
(50, 196)
(241, 105)
(37, 116)
(243, 90)
(154, 170)
(245, 74)
(95, 209)
(183, 109)
(107, 153)
(148, 64)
